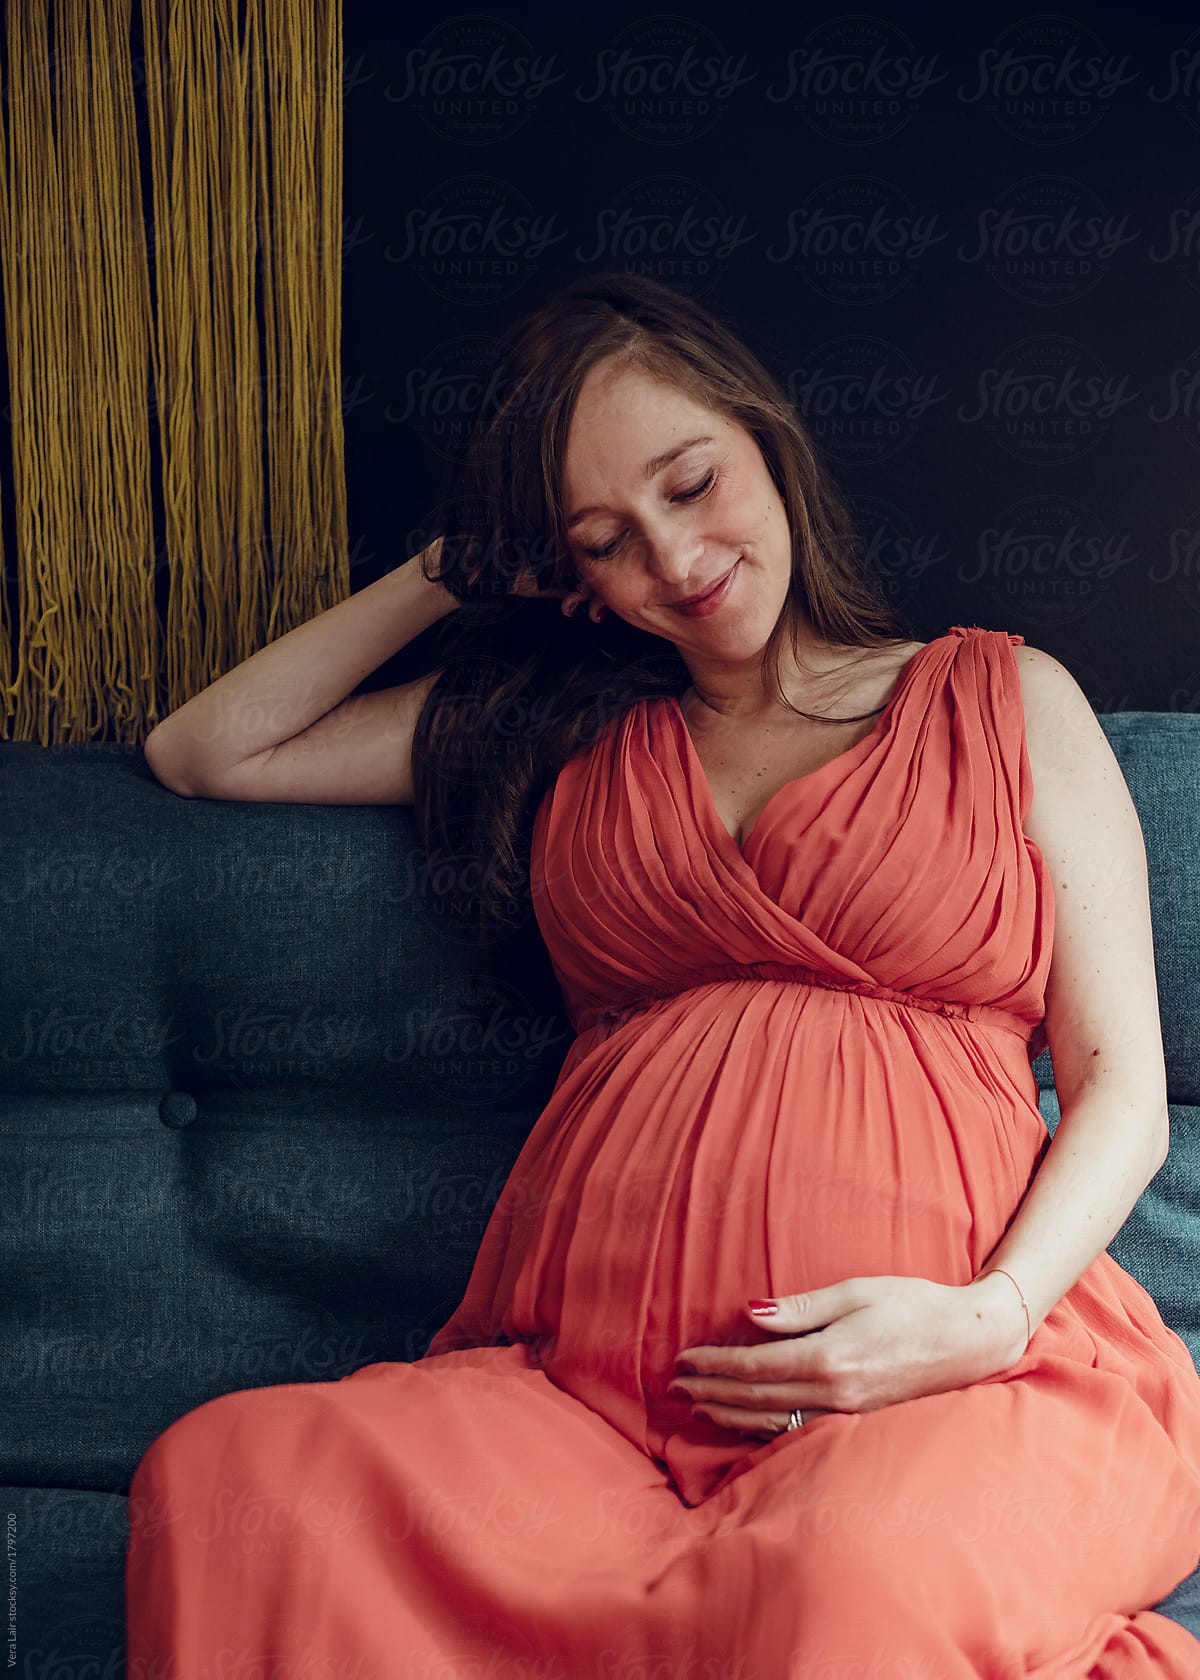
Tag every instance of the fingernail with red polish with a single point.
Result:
(764, 1309)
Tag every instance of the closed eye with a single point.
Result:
(693, 495)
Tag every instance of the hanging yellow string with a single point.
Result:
(35, 304)
(244, 139)
(8, 292)
(109, 310)
(75, 315)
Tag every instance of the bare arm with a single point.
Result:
(1102, 1018)
(281, 691)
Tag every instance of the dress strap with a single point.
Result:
(1002, 705)
(979, 630)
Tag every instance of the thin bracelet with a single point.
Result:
(1024, 1302)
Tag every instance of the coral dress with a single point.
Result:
(798, 1060)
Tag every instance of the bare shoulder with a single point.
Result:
(1062, 730)
(885, 663)
(897, 653)
(1082, 815)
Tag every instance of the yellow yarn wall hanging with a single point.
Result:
(216, 307)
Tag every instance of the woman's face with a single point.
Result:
(643, 539)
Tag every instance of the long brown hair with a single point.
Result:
(522, 688)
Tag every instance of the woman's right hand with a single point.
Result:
(580, 594)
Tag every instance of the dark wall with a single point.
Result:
(966, 247)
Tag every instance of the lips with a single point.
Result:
(695, 600)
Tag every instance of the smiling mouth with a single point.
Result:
(711, 590)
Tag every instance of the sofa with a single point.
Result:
(259, 1097)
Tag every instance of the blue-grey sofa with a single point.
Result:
(258, 1097)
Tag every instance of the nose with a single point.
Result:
(672, 557)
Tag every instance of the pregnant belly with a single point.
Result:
(717, 1148)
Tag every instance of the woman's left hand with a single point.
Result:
(854, 1346)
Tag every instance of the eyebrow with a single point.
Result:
(651, 470)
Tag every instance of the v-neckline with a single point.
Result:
(843, 761)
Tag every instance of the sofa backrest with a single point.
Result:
(258, 1097)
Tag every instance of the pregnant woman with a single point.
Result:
(793, 1349)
